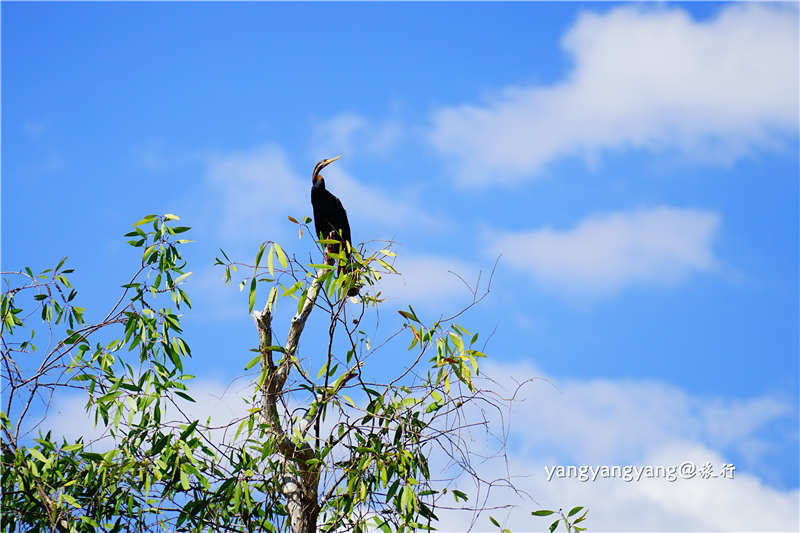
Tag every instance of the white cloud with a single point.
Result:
(334, 136)
(606, 252)
(428, 279)
(258, 188)
(609, 410)
(366, 204)
(619, 422)
(212, 299)
(350, 133)
(223, 403)
(744, 503)
(644, 77)
(592, 422)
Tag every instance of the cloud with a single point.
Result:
(335, 135)
(222, 403)
(591, 422)
(342, 133)
(212, 299)
(372, 205)
(608, 409)
(606, 252)
(744, 503)
(625, 422)
(257, 188)
(428, 279)
(260, 187)
(645, 78)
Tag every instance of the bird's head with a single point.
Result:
(316, 176)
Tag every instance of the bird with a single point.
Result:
(330, 217)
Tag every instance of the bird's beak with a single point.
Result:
(329, 161)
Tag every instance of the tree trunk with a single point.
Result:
(301, 501)
(300, 480)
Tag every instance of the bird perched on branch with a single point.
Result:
(330, 218)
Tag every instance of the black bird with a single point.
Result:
(330, 218)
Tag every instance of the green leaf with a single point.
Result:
(281, 256)
(553, 526)
(70, 500)
(387, 266)
(321, 266)
(260, 253)
(170, 216)
(37, 454)
(90, 522)
(184, 396)
(275, 348)
(145, 220)
(92, 456)
(253, 362)
(270, 260)
(181, 278)
(188, 431)
(406, 314)
(433, 407)
(574, 510)
(323, 370)
(291, 290)
(382, 524)
(407, 497)
(458, 495)
(457, 342)
(493, 521)
(273, 296)
(542, 512)
(252, 301)
(392, 489)
(148, 251)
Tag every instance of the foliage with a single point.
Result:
(570, 524)
(364, 445)
(357, 446)
(50, 485)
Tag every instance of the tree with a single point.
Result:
(325, 445)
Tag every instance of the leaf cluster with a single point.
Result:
(363, 444)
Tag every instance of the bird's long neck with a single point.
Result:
(318, 184)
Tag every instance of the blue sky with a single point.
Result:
(636, 167)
